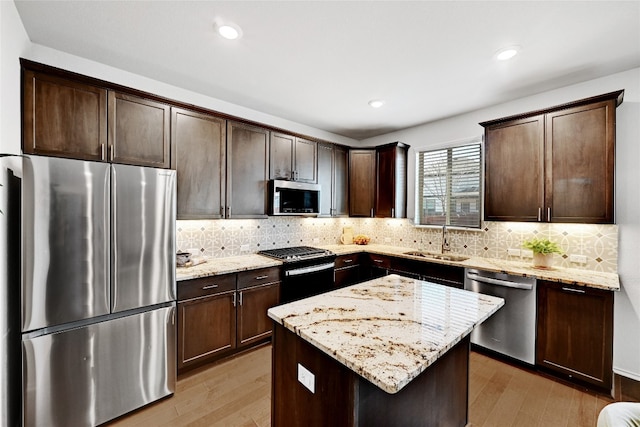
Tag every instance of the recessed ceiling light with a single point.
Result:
(376, 103)
(507, 53)
(229, 31)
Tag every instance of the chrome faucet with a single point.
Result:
(445, 240)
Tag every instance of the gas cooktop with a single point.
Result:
(296, 253)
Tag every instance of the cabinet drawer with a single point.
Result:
(380, 261)
(251, 278)
(204, 286)
(347, 260)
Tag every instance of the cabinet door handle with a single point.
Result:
(261, 277)
(102, 152)
(577, 291)
(548, 214)
(539, 214)
(234, 299)
(393, 212)
(204, 288)
(228, 211)
(240, 299)
(221, 211)
(371, 212)
(111, 152)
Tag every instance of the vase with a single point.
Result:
(542, 260)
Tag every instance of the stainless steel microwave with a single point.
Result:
(293, 198)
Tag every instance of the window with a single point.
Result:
(448, 185)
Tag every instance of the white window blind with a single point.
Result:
(448, 185)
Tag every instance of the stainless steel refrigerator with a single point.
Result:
(97, 294)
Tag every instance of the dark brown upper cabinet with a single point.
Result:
(247, 170)
(63, 118)
(378, 181)
(138, 131)
(362, 173)
(333, 179)
(199, 144)
(69, 115)
(391, 181)
(292, 158)
(553, 165)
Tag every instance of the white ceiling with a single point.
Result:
(319, 62)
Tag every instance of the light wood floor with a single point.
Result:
(237, 392)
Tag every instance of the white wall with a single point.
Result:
(13, 44)
(627, 302)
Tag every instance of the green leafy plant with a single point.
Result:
(542, 246)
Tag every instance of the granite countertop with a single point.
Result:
(227, 265)
(573, 276)
(387, 330)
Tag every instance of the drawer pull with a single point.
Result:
(577, 291)
(204, 288)
(346, 261)
(377, 260)
(261, 277)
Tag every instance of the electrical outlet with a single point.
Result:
(306, 378)
(578, 259)
(526, 253)
(513, 252)
(244, 248)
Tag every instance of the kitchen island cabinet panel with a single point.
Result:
(198, 142)
(247, 170)
(575, 333)
(63, 118)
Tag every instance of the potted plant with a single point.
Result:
(543, 250)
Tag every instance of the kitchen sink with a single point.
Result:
(433, 255)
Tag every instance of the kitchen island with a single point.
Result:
(390, 351)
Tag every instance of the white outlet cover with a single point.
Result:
(306, 378)
(244, 248)
(578, 259)
(513, 252)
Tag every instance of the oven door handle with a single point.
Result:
(498, 282)
(310, 269)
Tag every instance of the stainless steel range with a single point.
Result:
(307, 271)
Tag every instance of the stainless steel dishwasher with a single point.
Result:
(512, 329)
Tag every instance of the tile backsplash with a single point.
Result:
(223, 238)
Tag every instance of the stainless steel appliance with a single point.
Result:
(512, 330)
(97, 289)
(293, 198)
(10, 355)
(307, 271)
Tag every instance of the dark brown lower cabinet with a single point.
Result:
(219, 315)
(347, 271)
(206, 328)
(253, 303)
(436, 397)
(575, 333)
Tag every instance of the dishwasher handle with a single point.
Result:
(498, 282)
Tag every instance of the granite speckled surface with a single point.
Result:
(387, 330)
(225, 265)
(594, 279)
